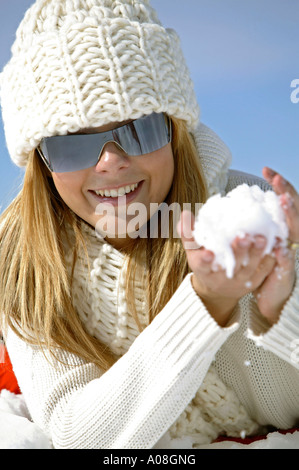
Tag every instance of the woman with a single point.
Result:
(119, 338)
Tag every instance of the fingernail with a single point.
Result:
(259, 242)
(271, 172)
(207, 257)
(244, 242)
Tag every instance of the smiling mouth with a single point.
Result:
(117, 192)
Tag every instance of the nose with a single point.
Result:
(112, 159)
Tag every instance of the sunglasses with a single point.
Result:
(64, 153)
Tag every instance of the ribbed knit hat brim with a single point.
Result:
(83, 63)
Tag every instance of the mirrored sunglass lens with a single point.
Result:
(152, 134)
(144, 135)
(77, 152)
(72, 152)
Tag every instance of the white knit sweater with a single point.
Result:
(183, 377)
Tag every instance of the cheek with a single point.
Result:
(69, 187)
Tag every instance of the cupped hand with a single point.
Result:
(219, 293)
(270, 278)
(275, 291)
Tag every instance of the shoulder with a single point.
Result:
(235, 178)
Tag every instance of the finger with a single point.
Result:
(282, 266)
(205, 261)
(264, 268)
(279, 183)
(255, 254)
(200, 259)
(289, 199)
(241, 246)
(277, 285)
(185, 229)
(291, 214)
(285, 262)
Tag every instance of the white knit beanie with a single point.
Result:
(83, 63)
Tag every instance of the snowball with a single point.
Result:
(244, 210)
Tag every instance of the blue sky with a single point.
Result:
(242, 55)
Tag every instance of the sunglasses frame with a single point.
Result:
(48, 164)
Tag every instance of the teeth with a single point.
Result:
(117, 192)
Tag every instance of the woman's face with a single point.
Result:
(120, 193)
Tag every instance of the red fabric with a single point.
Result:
(8, 379)
(250, 439)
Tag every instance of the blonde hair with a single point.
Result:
(35, 288)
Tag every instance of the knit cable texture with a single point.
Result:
(215, 409)
(182, 378)
(81, 63)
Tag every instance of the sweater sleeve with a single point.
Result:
(282, 338)
(136, 401)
